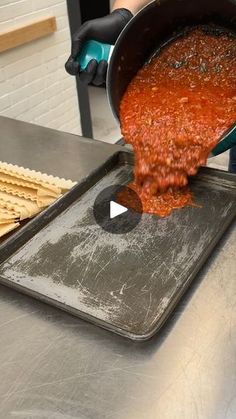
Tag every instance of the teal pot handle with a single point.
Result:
(94, 50)
(228, 141)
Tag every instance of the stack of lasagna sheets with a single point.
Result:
(24, 193)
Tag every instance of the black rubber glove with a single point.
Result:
(106, 30)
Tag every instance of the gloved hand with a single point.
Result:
(106, 30)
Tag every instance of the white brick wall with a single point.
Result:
(34, 86)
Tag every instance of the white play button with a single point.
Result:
(112, 211)
(116, 209)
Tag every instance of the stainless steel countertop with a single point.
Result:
(55, 366)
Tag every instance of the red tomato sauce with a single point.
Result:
(174, 112)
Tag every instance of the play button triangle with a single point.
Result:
(116, 209)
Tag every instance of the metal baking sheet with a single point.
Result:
(125, 283)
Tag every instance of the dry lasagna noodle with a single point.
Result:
(24, 193)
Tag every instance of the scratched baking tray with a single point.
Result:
(125, 283)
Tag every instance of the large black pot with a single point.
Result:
(150, 28)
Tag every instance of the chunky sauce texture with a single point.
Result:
(174, 113)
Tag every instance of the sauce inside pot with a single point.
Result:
(174, 112)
